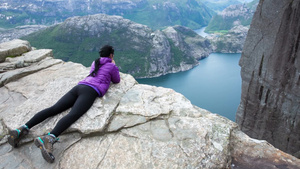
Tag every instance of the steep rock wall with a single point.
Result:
(270, 62)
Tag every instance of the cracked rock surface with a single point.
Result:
(132, 126)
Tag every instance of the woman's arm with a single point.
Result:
(115, 75)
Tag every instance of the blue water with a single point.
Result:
(201, 32)
(215, 84)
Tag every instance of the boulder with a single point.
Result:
(19, 66)
(13, 48)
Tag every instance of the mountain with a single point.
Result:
(133, 126)
(219, 5)
(229, 28)
(246, 1)
(139, 50)
(19, 31)
(231, 42)
(160, 14)
(270, 71)
(232, 16)
(153, 13)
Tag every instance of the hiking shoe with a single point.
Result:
(16, 135)
(45, 144)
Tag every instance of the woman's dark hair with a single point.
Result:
(105, 51)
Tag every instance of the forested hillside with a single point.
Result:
(232, 16)
(153, 13)
(140, 51)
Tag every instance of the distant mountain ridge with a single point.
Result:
(220, 5)
(140, 51)
(232, 16)
(19, 31)
(153, 13)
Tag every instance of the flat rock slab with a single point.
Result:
(13, 48)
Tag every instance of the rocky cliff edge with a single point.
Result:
(270, 71)
(132, 126)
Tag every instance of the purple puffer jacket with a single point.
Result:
(107, 73)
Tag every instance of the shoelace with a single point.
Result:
(51, 140)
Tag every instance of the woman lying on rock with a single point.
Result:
(80, 98)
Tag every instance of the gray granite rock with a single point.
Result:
(13, 48)
(270, 103)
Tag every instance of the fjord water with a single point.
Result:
(214, 85)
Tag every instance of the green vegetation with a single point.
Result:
(8, 19)
(156, 14)
(220, 46)
(251, 5)
(179, 56)
(219, 23)
(222, 25)
(13, 18)
(186, 32)
(219, 5)
(78, 46)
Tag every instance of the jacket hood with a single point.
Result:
(104, 60)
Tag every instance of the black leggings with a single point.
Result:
(80, 98)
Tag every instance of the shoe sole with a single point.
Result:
(13, 138)
(47, 156)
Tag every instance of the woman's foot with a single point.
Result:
(16, 135)
(45, 144)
